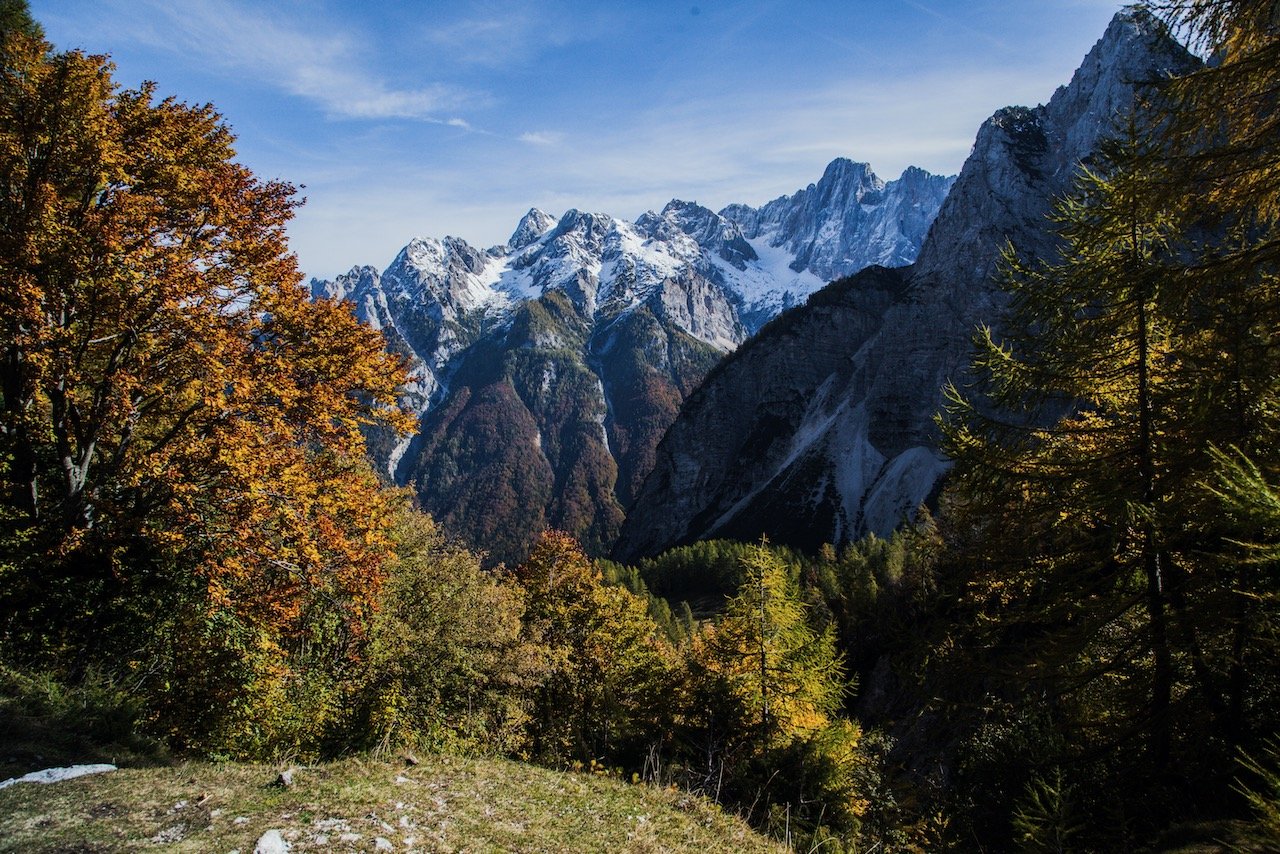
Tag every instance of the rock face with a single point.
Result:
(849, 220)
(822, 428)
(544, 371)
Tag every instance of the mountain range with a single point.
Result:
(822, 428)
(545, 370)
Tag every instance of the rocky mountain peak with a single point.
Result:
(532, 227)
(821, 428)
(710, 230)
(846, 179)
(545, 370)
(1135, 51)
(848, 220)
(347, 286)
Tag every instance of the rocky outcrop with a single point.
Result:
(855, 447)
(849, 220)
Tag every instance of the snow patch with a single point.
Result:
(768, 283)
(57, 775)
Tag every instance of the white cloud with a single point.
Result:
(713, 150)
(502, 33)
(286, 51)
(541, 137)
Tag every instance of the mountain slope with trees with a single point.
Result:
(546, 370)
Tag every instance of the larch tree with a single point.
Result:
(1068, 453)
(1224, 132)
(787, 677)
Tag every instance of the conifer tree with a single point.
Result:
(15, 17)
(1085, 559)
(1221, 173)
(787, 677)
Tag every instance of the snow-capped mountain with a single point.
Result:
(644, 308)
(821, 428)
(848, 220)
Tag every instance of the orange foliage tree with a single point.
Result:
(178, 419)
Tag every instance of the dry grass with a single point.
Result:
(444, 804)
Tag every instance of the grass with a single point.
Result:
(442, 804)
(44, 724)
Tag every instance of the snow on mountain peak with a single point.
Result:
(532, 227)
(716, 276)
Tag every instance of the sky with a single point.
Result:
(425, 118)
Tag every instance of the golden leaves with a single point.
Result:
(160, 345)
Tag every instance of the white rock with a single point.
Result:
(271, 842)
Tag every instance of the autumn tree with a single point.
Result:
(787, 677)
(1224, 153)
(764, 695)
(448, 667)
(185, 491)
(608, 670)
(1091, 337)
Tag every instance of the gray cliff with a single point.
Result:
(821, 428)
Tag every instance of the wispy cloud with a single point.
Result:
(502, 33)
(711, 150)
(327, 69)
(956, 22)
(541, 137)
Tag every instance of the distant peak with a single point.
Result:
(679, 207)
(843, 166)
(533, 225)
(1136, 15)
(1135, 31)
(574, 217)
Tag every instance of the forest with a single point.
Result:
(1073, 649)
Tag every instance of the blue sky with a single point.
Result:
(428, 118)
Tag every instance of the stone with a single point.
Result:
(271, 842)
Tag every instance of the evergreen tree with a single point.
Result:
(765, 690)
(1103, 571)
(1222, 175)
(15, 17)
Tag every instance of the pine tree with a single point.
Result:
(15, 17)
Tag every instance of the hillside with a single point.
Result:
(822, 430)
(443, 804)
